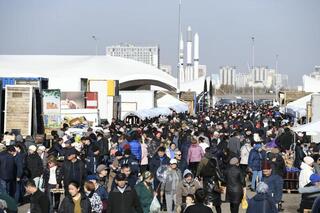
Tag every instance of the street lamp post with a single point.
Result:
(179, 36)
(253, 75)
(276, 73)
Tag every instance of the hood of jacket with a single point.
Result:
(187, 171)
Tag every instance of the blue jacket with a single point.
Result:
(275, 184)
(135, 147)
(255, 159)
(102, 192)
(262, 203)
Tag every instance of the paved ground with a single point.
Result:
(291, 204)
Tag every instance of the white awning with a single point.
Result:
(310, 127)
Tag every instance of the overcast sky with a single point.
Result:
(290, 28)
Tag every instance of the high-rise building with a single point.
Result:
(227, 75)
(145, 54)
(241, 80)
(260, 74)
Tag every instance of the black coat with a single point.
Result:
(46, 175)
(197, 208)
(39, 202)
(262, 203)
(234, 182)
(34, 165)
(155, 163)
(278, 166)
(7, 166)
(126, 202)
(73, 172)
(67, 205)
(286, 139)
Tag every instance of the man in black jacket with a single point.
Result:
(73, 169)
(8, 170)
(39, 202)
(158, 160)
(123, 198)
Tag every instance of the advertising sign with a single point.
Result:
(72, 100)
(51, 109)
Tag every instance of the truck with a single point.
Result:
(18, 109)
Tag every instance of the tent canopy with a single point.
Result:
(310, 127)
(156, 112)
(299, 106)
(172, 103)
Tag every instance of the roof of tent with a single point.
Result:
(299, 105)
(149, 113)
(173, 103)
(64, 71)
(310, 127)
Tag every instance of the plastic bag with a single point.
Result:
(244, 202)
(155, 206)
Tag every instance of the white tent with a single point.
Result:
(149, 113)
(180, 108)
(298, 106)
(313, 127)
(173, 103)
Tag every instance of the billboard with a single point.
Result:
(72, 100)
(51, 109)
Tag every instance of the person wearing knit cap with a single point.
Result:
(306, 171)
(235, 184)
(274, 182)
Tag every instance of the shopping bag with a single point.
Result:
(155, 205)
(244, 202)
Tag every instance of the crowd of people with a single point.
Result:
(177, 163)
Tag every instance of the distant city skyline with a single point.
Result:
(289, 28)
